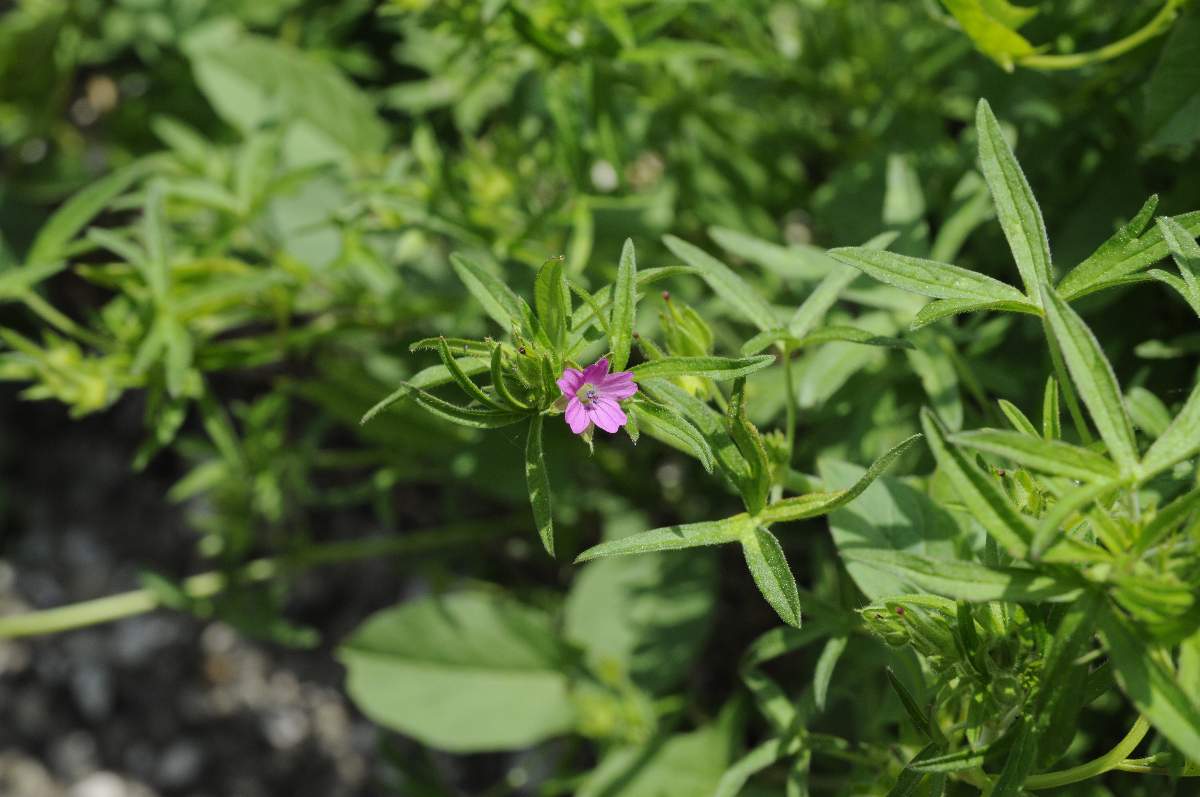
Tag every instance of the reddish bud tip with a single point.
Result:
(666, 296)
(900, 610)
(521, 349)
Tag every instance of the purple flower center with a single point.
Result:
(587, 393)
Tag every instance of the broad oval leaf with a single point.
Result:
(467, 672)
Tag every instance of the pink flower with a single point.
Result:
(592, 395)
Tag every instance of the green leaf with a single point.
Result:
(968, 581)
(1018, 211)
(992, 24)
(1047, 456)
(467, 672)
(804, 263)
(1172, 110)
(552, 299)
(984, 499)
(674, 431)
(624, 307)
(603, 296)
(537, 480)
(1051, 414)
(1182, 245)
(681, 765)
(1147, 411)
(927, 278)
(463, 416)
(707, 421)
(1150, 685)
(15, 282)
(1179, 441)
(834, 334)
(497, 299)
(945, 308)
(1094, 378)
(910, 779)
(252, 81)
(1062, 679)
(719, 368)
(891, 516)
(817, 304)
(920, 718)
(463, 381)
(771, 573)
(1019, 420)
(1019, 763)
(814, 504)
(646, 616)
(76, 212)
(725, 283)
(739, 773)
(1131, 249)
(823, 673)
(674, 538)
(156, 267)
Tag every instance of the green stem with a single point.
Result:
(1159, 24)
(791, 403)
(61, 322)
(1067, 387)
(1110, 760)
(206, 585)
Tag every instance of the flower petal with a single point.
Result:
(619, 385)
(570, 381)
(596, 372)
(607, 414)
(576, 416)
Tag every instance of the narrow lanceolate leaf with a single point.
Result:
(538, 482)
(1130, 250)
(1019, 420)
(16, 281)
(1183, 247)
(725, 283)
(1168, 518)
(814, 504)
(1094, 378)
(463, 381)
(817, 304)
(603, 297)
(1150, 685)
(497, 299)
(1019, 763)
(984, 499)
(673, 430)
(1018, 211)
(920, 718)
(552, 300)
(823, 672)
(711, 367)
(774, 578)
(928, 278)
(624, 308)
(805, 263)
(823, 335)
(80, 209)
(1047, 456)
(673, 538)
(910, 779)
(1051, 414)
(945, 308)
(154, 233)
(1056, 707)
(463, 416)
(962, 580)
(1180, 441)
(1050, 525)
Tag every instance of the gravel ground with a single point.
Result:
(161, 704)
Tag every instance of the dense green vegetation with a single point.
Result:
(906, 501)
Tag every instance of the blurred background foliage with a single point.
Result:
(256, 202)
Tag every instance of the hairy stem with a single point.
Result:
(206, 585)
(1098, 766)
